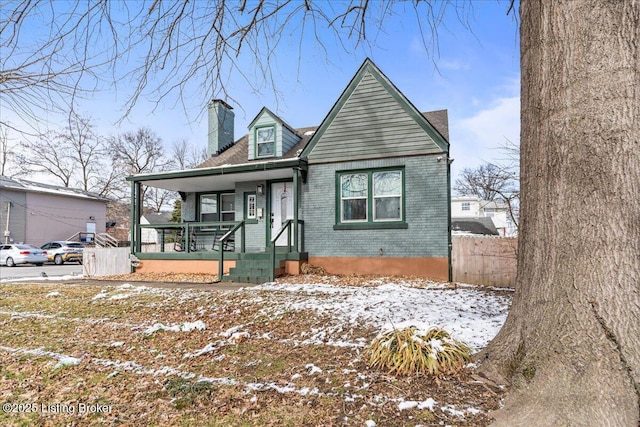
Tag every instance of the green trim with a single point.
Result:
(222, 170)
(450, 242)
(255, 141)
(405, 104)
(370, 223)
(267, 193)
(212, 255)
(371, 226)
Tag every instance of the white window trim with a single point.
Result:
(366, 199)
(258, 143)
(374, 197)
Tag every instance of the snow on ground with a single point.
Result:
(469, 313)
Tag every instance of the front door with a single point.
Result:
(281, 209)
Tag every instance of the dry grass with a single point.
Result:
(411, 352)
(249, 367)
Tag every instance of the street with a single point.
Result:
(28, 270)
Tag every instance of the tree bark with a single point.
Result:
(571, 344)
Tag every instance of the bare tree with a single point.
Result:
(488, 181)
(137, 152)
(49, 66)
(492, 182)
(75, 155)
(187, 156)
(47, 156)
(6, 151)
(85, 148)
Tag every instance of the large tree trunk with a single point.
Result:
(571, 343)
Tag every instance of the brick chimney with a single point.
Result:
(220, 126)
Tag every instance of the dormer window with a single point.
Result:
(266, 141)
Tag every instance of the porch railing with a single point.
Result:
(297, 246)
(192, 236)
(224, 239)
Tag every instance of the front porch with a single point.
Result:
(220, 247)
(238, 223)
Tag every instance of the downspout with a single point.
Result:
(7, 233)
(450, 243)
(295, 210)
(138, 214)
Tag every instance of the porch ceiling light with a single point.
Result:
(260, 189)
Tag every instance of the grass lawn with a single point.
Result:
(289, 353)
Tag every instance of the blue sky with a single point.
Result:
(474, 74)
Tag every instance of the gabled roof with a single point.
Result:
(238, 153)
(369, 68)
(16, 184)
(157, 218)
(274, 116)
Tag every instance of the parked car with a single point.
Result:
(12, 255)
(61, 251)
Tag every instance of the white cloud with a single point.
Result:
(474, 140)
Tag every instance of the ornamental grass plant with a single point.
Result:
(410, 351)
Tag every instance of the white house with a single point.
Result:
(466, 207)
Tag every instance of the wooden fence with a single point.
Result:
(484, 260)
(106, 261)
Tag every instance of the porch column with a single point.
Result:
(132, 218)
(136, 207)
(295, 210)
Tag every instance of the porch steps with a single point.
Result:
(254, 268)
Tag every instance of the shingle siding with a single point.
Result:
(371, 124)
(426, 201)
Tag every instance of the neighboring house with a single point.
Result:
(151, 235)
(366, 192)
(464, 208)
(36, 213)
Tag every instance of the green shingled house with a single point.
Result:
(366, 192)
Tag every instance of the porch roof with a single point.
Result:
(220, 177)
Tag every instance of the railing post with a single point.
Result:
(301, 248)
(220, 263)
(187, 240)
(242, 234)
(273, 262)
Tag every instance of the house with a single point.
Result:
(467, 213)
(150, 235)
(365, 192)
(36, 213)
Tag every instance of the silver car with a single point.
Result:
(11, 255)
(62, 251)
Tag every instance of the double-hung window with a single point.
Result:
(353, 196)
(370, 199)
(266, 141)
(209, 207)
(217, 207)
(387, 195)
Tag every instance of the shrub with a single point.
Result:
(411, 351)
